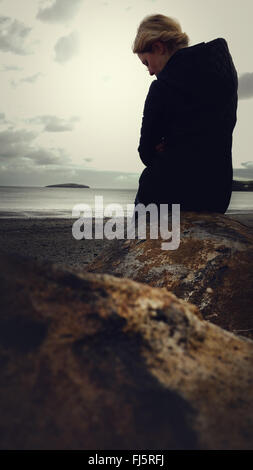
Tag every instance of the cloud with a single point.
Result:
(127, 176)
(13, 36)
(17, 150)
(245, 86)
(7, 68)
(23, 162)
(4, 121)
(29, 79)
(54, 123)
(60, 11)
(42, 156)
(244, 173)
(15, 143)
(66, 48)
(248, 164)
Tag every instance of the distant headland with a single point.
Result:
(66, 185)
(242, 185)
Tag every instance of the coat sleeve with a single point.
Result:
(152, 123)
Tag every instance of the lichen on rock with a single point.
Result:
(212, 267)
(93, 361)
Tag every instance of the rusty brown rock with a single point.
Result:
(212, 267)
(91, 361)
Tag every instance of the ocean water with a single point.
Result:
(34, 202)
(58, 202)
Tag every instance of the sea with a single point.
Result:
(41, 202)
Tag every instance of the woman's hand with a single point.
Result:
(161, 146)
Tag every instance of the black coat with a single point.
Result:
(192, 106)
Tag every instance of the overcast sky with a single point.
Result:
(72, 91)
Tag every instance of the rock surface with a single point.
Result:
(212, 267)
(92, 361)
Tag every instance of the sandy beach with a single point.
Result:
(51, 239)
(48, 239)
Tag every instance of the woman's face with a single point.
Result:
(150, 59)
(155, 60)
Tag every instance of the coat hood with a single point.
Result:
(204, 65)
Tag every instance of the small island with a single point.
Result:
(67, 185)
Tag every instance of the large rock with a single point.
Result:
(212, 267)
(97, 362)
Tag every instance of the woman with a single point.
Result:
(188, 118)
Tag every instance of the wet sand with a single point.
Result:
(51, 239)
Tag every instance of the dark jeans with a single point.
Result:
(136, 201)
(135, 215)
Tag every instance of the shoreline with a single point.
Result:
(244, 216)
(53, 215)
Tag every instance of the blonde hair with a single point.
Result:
(159, 28)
